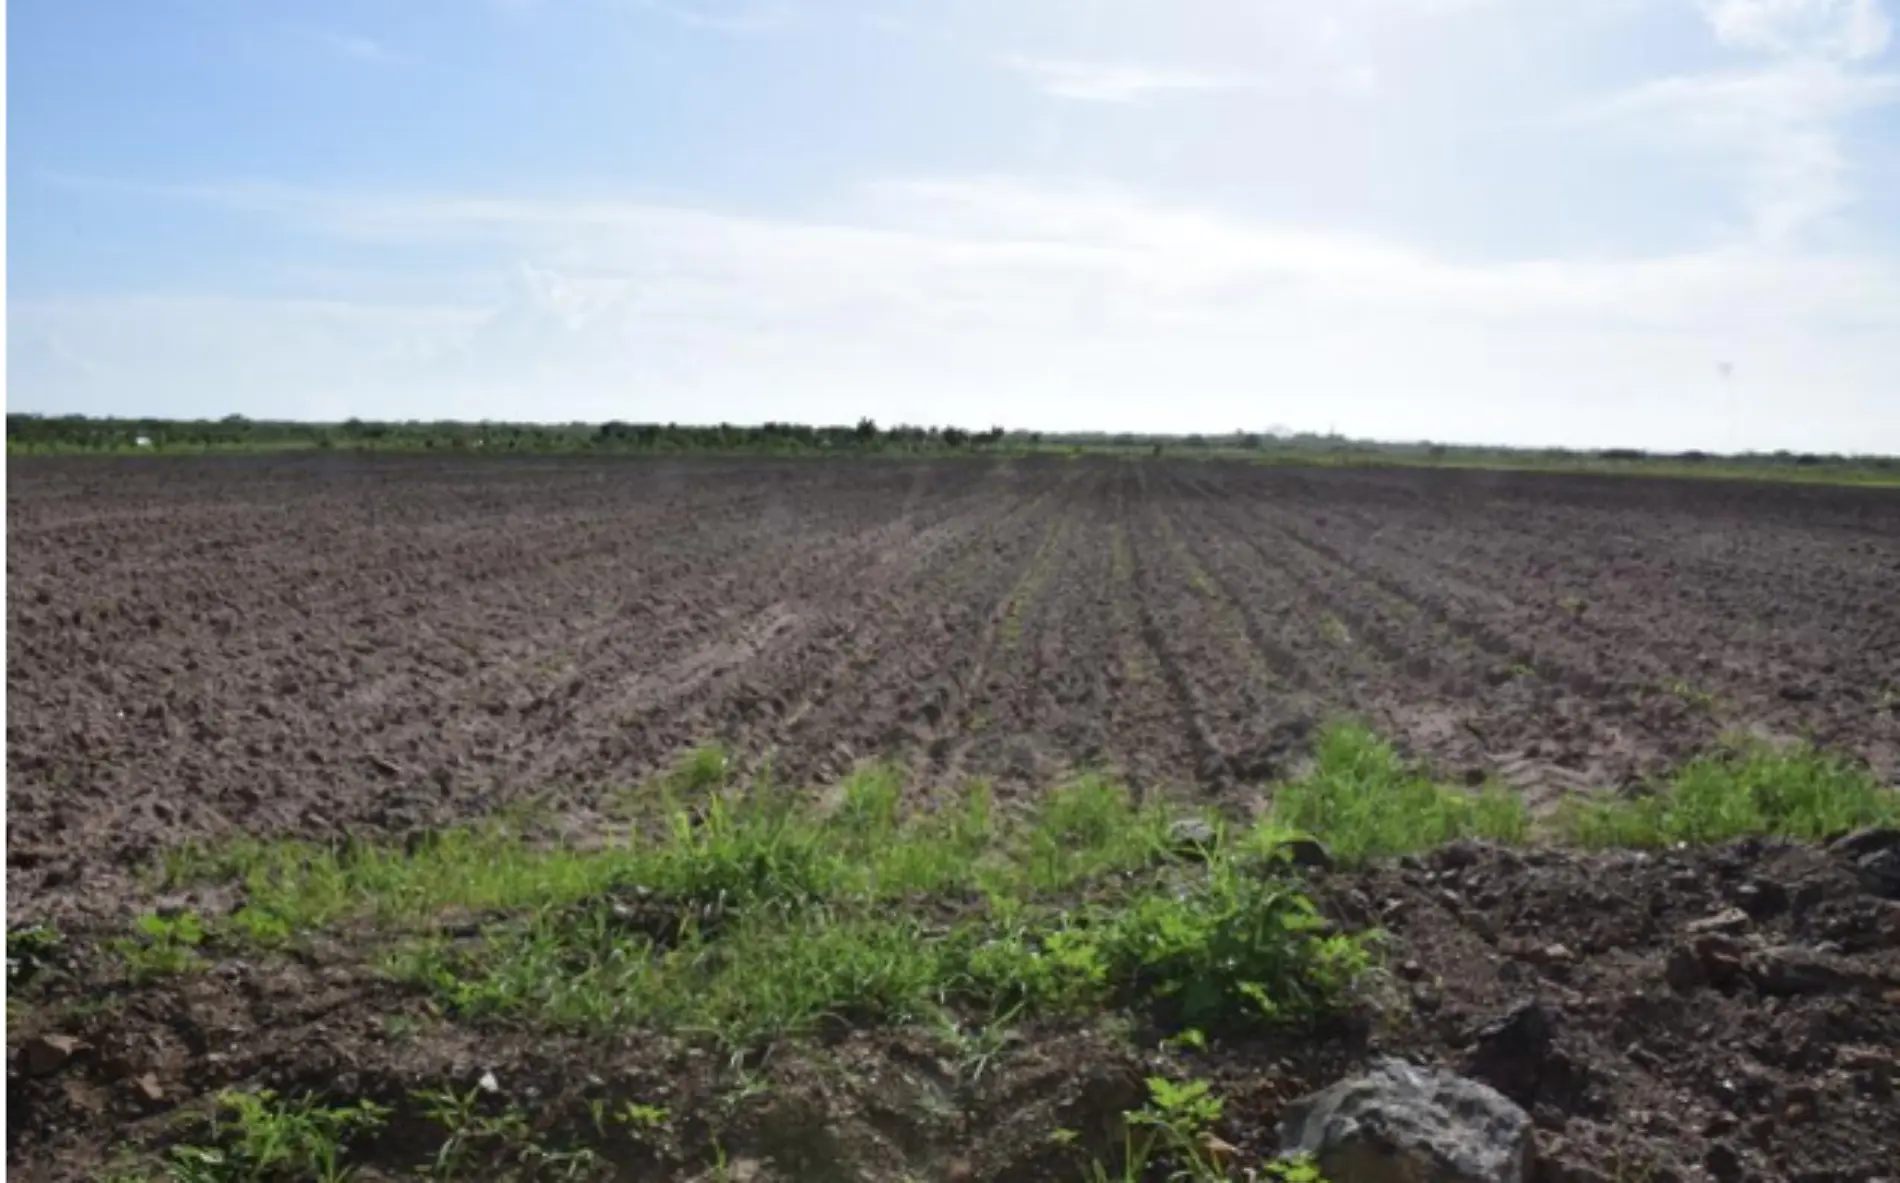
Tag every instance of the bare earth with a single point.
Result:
(336, 643)
(343, 645)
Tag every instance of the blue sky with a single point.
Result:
(1665, 223)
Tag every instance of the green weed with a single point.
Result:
(256, 1137)
(1752, 789)
(757, 917)
(30, 949)
(165, 945)
(1363, 801)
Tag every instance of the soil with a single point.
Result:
(344, 644)
(1728, 1013)
(369, 645)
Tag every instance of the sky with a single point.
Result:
(1650, 223)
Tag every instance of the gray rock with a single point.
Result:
(1400, 1123)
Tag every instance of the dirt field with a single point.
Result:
(346, 647)
(339, 644)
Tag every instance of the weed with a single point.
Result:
(165, 945)
(1752, 789)
(256, 1137)
(701, 771)
(474, 1135)
(1172, 1130)
(1365, 803)
(30, 949)
(1334, 630)
(637, 1116)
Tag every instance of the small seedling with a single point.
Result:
(638, 1116)
(165, 945)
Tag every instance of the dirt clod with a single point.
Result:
(43, 1055)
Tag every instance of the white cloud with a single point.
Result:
(1112, 82)
(993, 299)
(1850, 30)
(1777, 128)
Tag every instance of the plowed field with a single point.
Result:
(343, 644)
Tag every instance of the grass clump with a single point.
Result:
(260, 1138)
(1364, 802)
(1749, 790)
(758, 915)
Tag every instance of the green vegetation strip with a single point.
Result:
(757, 917)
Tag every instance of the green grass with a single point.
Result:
(1750, 790)
(255, 1137)
(758, 917)
(1365, 802)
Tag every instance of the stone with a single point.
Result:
(1400, 1123)
(44, 1055)
(147, 1089)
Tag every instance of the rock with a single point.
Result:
(1728, 920)
(147, 1090)
(1400, 1123)
(44, 1055)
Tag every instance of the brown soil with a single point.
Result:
(348, 644)
(1577, 984)
(342, 644)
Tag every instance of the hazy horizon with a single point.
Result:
(1661, 224)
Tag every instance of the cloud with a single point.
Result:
(1778, 129)
(985, 299)
(1110, 82)
(1847, 30)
